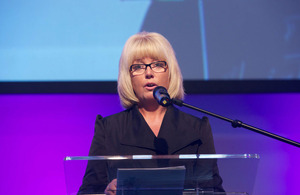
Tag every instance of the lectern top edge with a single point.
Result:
(180, 156)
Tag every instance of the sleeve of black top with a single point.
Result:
(95, 178)
(208, 147)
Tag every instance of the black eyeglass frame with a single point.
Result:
(165, 66)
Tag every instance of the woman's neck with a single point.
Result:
(153, 115)
(152, 111)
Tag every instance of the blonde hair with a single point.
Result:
(155, 46)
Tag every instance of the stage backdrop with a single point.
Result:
(64, 40)
(38, 131)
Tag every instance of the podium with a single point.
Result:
(187, 174)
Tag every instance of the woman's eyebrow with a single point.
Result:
(138, 61)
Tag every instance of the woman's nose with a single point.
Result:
(148, 72)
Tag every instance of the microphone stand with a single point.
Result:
(238, 123)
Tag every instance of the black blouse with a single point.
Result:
(127, 133)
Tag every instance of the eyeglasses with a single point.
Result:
(158, 66)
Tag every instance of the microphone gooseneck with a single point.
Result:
(163, 98)
(238, 123)
(161, 95)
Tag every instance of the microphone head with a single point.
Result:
(161, 95)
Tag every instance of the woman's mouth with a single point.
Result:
(150, 86)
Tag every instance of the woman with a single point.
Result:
(145, 127)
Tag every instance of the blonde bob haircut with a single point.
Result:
(155, 46)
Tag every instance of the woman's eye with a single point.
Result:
(159, 64)
(137, 67)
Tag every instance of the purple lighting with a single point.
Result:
(38, 131)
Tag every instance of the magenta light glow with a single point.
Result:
(38, 131)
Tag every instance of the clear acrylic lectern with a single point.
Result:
(188, 174)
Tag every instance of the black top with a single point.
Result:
(127, 133)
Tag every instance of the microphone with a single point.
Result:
(161, 95)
